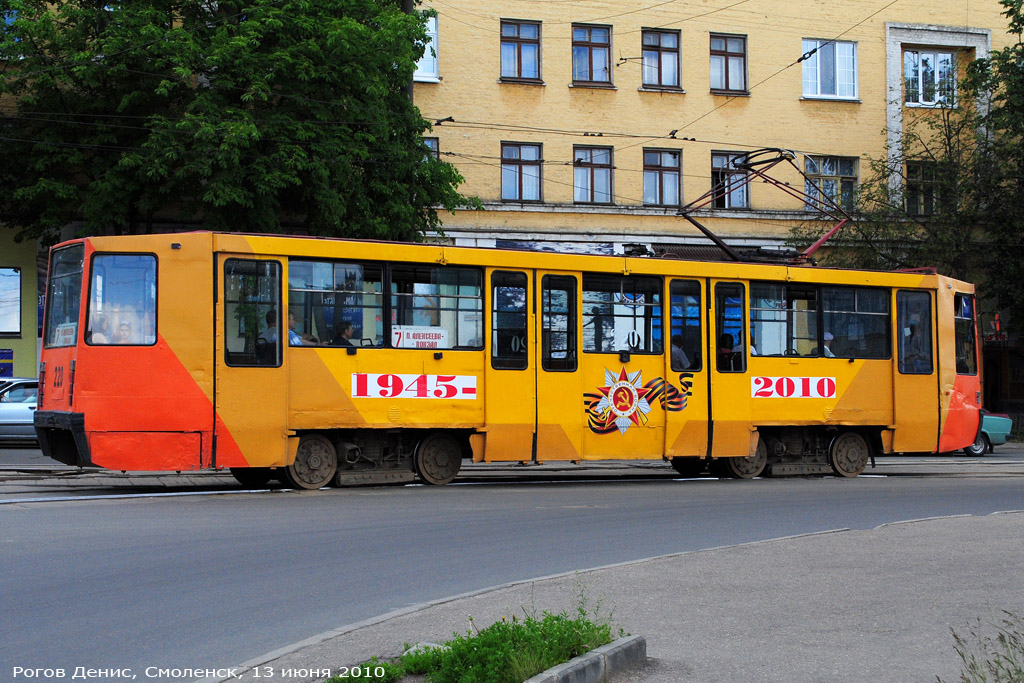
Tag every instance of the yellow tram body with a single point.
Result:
(491, 355)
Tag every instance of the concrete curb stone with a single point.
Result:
(598, 665)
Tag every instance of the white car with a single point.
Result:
(17, 407)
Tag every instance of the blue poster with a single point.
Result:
(6, 362)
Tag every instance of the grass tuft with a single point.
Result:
(510, 650)
(988, 658)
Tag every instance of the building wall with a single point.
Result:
(628, 117)
(18, 262)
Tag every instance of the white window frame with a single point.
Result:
(936, 53)
(10, 302)
(427, 69)
(844, 69)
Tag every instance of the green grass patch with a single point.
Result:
(507, 651)
(992, 653)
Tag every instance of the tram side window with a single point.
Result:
(508, 322)
(783, 319)
(558, 323)
(122, 300)
(966, 345)
(436, 307)
(730, 321)
(64, 296)
(684, 325)
(337, 303)
(252, 313)
(621, 314)
(856, 322)
(914, 319)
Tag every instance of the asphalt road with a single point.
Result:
(215, 580)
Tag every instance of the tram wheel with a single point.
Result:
(438, 458)
(750, 466)
(848, 455)
(315, 463)
(251, 477)
(688, 467)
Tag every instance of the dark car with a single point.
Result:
(17, 407)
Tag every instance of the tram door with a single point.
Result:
(730, 383)
(622, 367)
(686, 349)
(559, 403)
(251, 382)
(915, 384)
(511, 391)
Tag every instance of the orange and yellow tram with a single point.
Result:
(314, 360)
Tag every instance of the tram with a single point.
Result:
(317, 360)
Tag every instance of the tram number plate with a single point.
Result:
(368, 385)
(793, 387)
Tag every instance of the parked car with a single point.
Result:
(17, 406)
(995, 429)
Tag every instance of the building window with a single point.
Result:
(921, 189)
(520, 172)
(830, 69)
(661, 177)
(929, 78)
(433, 148)
(833, 177)
(661, 59)
(426, 67)
(520, 50)
(591, 54)
(728, 182)
(10, 302)
(728, 63)
(592, 175)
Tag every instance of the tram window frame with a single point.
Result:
(343, 301)
(64, 296)
(261, 357)
(138, 319)
(730, 361)
(403, 304)
(600, 291)
(965, 338)
(905, 299)
(688, 326)
(853, 329)
(569, 361)
(786, 296)
(504, 354)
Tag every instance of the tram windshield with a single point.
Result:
(64, 296)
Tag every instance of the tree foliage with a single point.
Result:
(971, 192)
(922, 204)
(260, 116)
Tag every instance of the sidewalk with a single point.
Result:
(852, 606)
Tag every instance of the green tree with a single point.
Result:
(262, 116)
(951, 193)
(1001, 75)
(922, 204)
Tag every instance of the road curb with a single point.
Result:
(600, 664)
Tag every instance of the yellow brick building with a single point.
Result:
(586, 124)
